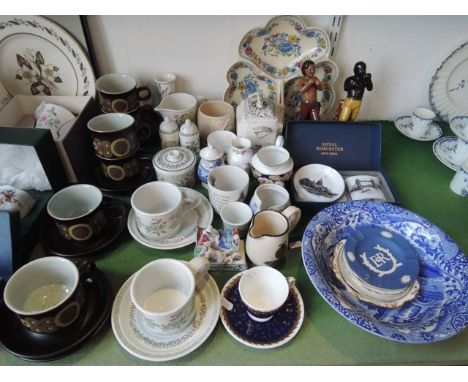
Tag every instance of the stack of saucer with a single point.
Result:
(377, 266)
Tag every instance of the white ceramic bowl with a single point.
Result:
(318, 183)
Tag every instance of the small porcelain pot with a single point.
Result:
(269, 197)
(175, 165)
(272, 164)
(240, 154)
(178, 107)
(211, 158)
(165, 82)
(213, 116)
(267, 239)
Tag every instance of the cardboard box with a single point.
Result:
(351, 148)
(74, 145)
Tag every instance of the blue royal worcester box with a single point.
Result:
(351, 148)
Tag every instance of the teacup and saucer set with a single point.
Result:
(419, 126)
(166, 310)
(261, 308)
(48, 320)
(164, 216)
(81, 221)
(453, 151)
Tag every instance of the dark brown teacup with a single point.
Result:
(114, 135)
(147, 121)
(118, 93)
(46, 294)
(77, 211)
(120, 169)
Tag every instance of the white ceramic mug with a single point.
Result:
(422, 119)
(362, 187)
(165, 82)
(163, 291)
(53, 117)
(269, 196)
(215, 115)
(158, 209)
(236, 215)
(227, 184)
(459, 183)
(264, 291)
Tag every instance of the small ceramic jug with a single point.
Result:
(267, 239)
(211, 157)
(240, 153)
(189, 136)
(169, 133)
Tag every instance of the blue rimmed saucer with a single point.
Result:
(444, 150)
(279, 330)
(381, 258)
(405, 126)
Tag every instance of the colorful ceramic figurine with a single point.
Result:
(308, 86)
(355, 86)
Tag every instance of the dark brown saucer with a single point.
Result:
(146, 174)
(24, 344)
(55, 244)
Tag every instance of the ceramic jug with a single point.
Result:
(240, 153)
(267, 239)
(179, 107)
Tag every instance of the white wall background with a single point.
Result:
(401, 52)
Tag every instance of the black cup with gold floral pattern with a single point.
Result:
(120, 169)
(114, 135)
(77, 211)
(118, 93)
(47, 294)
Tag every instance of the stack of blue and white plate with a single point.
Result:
(377, 266)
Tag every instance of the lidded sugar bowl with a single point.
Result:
(175, 165)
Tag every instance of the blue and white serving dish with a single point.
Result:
(440, 308)
(405, 126)
(445, 149)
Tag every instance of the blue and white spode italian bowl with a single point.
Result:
(439, 311)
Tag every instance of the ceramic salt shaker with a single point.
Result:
(169, 133)
(189, 136)
(211, 157)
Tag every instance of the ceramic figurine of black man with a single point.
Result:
(355, 86)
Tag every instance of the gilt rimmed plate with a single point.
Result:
(131, 334)
(40, 58)
(440, 309)
(244, 79)
(325, 70)
(280, 48)
(448, 91)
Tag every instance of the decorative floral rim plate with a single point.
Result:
(448, 90)
(440, 309)
(280, 48)
(202, 216)
(443, 148)
(405, 126)
(325, 70)
(132, 336)
(40, 58)
(279, 330)
(245, 79)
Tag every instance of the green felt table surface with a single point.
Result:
(326, 338)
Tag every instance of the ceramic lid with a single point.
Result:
(174, 159)
(381, 258)
(211, 153)
(260, 108)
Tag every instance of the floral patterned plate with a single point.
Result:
(40, 58)
(448, 90)
(202, 216)
(325, 70)
(132, 336)
(283, 45)
(440, 309)
(444, 149)
(244, 79)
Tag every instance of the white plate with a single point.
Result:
(330, 180)
(40, 58)
(132, 336)
(283, 45)
(448, 90)
(201, 216)
(405, 126)
(243, 328)
(443, 149)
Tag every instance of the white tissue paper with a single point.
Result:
(20, 167)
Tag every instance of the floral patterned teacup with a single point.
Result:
(158, 209)
(53, 117)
